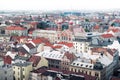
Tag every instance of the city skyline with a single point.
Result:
(48, 5)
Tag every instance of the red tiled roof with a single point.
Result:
(57, 47)
(57, 78)
(29, 45)
(7, 59)
(66, 43)
(113, 30)
(110, 51)
(42, 40)
(107, 35)
(70, 56)
(15, 28)
(115, 78)
(35, 60)
(37, 41)
(30, 32)
(96, 27)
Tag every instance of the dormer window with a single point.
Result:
(73, 63)
(86, 65)
(81, 64)
(90, 66)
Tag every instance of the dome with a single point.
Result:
(70, 22)
(98, 66)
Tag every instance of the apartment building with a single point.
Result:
(100, 63)
(22, 70)
(6, 72)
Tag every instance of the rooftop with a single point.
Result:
(15, 28)
(82, 64)
(22, 64)
(54, 71)
(57, 55)
(6, 66)
(35, 60)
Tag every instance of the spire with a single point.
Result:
(70, 25)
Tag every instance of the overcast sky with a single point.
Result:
(59, 4)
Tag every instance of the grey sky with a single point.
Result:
(59, 4)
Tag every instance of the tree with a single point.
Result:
(86, 20)
(64, 27)
(42, 25)
(86, 30)
(113, 24)
(14, 34)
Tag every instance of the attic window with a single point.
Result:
(77, 64)
(81, 64)
(86, 65)
(73, 63)
(90, 66)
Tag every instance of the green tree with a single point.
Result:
(86, 30)
(86, 20)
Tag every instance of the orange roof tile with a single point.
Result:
(96, 27)
(107, 35)
(66, 43)
(35, 60)
(37, 41)
(113, 29)
(42, 40)
(70, 56)
(110, 51)
(15, 28)
(56, 47)
(30, 32)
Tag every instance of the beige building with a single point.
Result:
(81, 44)
(16, 30)
(49, 34)
(22, 70)
(100, 63)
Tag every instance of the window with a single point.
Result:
(23, 76)
(23, 69)
(71, 69)
(73, 63)
(5, 78)
(96, 74)
(79, 70)
(18, 73)
(75, 70)
(5, 72)
(89, 73)
(13, 72)
(86, 72)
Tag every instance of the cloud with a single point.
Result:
(58, 4)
